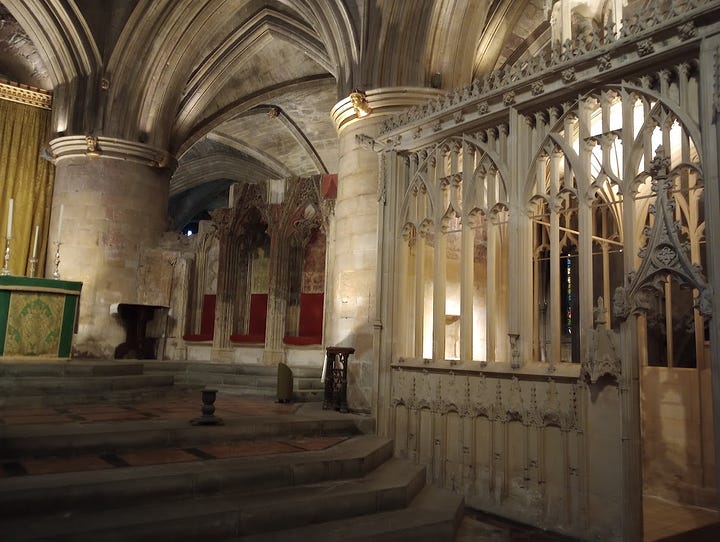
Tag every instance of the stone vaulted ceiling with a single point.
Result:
(241, 90)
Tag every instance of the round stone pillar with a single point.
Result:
(353, 241)
(109, 204)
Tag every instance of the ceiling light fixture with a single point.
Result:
(360, 104)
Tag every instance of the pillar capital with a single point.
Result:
(383, 102)
(109, 147)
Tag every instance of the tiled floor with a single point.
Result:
(170, 409)
(156, 456)
(181, 408)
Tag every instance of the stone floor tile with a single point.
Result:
(48, 465)
(157, 456)
(32, 419)
(31, 411)
(248, 448)
(90, 417)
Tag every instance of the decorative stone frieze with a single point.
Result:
(645, 47)
(120, 149)
(568, 62)
(568, 75)
(497, 398)
(385, 102)
(687, 30)
(26, 95)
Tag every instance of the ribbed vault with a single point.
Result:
(254, 79)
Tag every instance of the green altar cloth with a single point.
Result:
(37, 316)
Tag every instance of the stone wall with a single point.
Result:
(536, 447)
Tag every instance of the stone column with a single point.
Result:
(277, 298)
(242, 290)
(113, 196)
(436, 170)
(225, 299)
(352, 318)
(467, 262)
(710, 127)
(295, 270)
(179, 304)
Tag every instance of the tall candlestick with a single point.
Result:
(35, 243)
(56, 273)
(60, 218)
(10, 219)
(5, 270)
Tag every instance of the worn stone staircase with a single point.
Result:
(30, 383)
(33, 384)
(240, 379)
(353, 489)
(291, 497)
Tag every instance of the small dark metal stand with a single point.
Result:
(208, 410)
(336, 370)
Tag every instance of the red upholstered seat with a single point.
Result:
(311, 321)
(207, 321)
(258, 319)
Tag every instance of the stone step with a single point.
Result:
(64, 368)
(391, 486)
(36, 385)
(305, 388)
(305, 383)
(307, 396)
(230, 379)
(91, 397)
(311, 381)
(40, 440)
(299, 395)
(433, 516)
(90, 490)
(178, 367)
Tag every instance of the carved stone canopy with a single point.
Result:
(665, 253)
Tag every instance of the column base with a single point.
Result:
(274, 357)
(175, 349)
(225, 355)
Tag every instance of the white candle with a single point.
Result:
(37, 233)
(62, 208)
(10, 219)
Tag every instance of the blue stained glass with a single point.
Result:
(568, 295)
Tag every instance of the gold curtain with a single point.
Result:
(26, 178)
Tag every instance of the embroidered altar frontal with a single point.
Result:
(37, 317)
